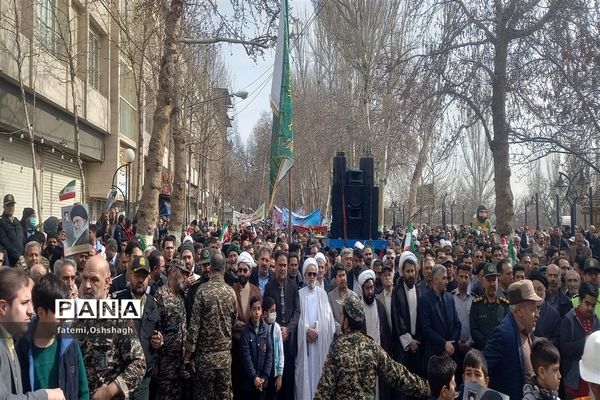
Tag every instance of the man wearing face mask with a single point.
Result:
(29, 222)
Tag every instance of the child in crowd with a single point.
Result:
(257, 353)
(475, 368)
(269, 308)
(545, 360)
(440, 375)
(48, 359)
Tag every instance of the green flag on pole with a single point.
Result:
(282, 140)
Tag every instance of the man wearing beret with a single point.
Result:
(548, 325)
(508, 348)
(355, 361)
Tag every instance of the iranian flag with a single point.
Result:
(68, 192)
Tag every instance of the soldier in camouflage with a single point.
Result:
(112, 353)
(172, 316)
(209, 335)
(355, 361)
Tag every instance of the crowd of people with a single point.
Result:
(251, 313)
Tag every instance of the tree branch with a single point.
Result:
(218, 39)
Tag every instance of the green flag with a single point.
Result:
(282, 140)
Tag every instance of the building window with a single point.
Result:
(128, 105)
(93, 60)
(46, 23)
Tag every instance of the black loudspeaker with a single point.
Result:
(339, 168)
(355, 177)
(367, 165)
(354, 203)
(336, 230)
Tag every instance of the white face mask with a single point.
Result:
(271, 318)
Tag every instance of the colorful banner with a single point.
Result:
(281, 218)
(256, 216)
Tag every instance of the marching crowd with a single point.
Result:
(252, 314)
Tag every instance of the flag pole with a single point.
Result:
(290, 206)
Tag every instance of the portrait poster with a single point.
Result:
(75, 223)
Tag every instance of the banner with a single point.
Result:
(282, 140)
(256, 216)
(281, 218)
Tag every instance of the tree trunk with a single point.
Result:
(500, 146)
(147, 213)
(416, 176)
(19, 61)
(180, 169)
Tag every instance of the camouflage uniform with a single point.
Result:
(21, 264)
(209, 338)
(353, 364)
(172, 326)
(111, 352)
(484, 317)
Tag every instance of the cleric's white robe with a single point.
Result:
(314, 311)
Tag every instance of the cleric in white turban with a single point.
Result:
(316, 327)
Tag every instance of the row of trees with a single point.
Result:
(450, 93)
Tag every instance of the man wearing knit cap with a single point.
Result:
(548, 325)
(355, 361)
(508, 349)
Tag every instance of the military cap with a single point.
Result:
(140, 264)
(205, 255)
(354, 308)
(590, 264)
(178, 263)
(9, 199)
(489, 269)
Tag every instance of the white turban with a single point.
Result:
(187, 239)
(246, 258)
(359, 245)
(307, 262)
(405, 256)
(320, 257)
(365, 276)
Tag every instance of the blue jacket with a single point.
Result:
(548, 324)
(438, 326)
(504, 355)
(257, 354)
(68, 373)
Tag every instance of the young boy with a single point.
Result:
(257, 353)
(545, 360)
(475, 368)
(51, 359)
(269, 308)
(440, 375)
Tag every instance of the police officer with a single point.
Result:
(355, 361)
(150, 338)
(487, 310)
(209, 335)
(171, 323)
(114, 363)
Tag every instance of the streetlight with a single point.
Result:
(572, 190)
(129, 158)
(242, 94)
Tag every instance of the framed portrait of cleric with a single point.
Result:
(75, 223)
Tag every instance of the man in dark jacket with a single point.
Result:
(548, 325)
(507, 365)
(12, 237)
(575, 327)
